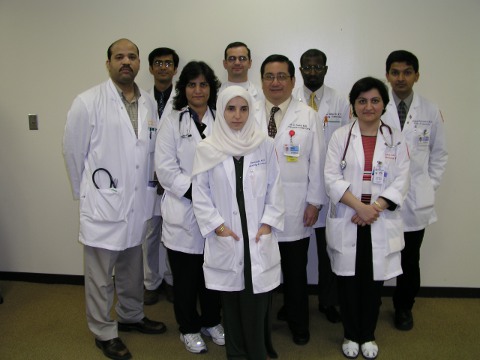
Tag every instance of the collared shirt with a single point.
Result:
(408, 100)
(131, 107)
(280, 113)
(318, 94)
(162, 98)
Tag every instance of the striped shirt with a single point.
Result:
(368, 150)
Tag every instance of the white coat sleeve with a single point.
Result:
(167, 165)
(316, 184)
(207, 215)
(438, 151)
(76, 142)
(274, 212)
(335, 184)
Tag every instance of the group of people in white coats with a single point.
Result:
(244, 186)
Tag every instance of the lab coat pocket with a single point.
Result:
(151, 195)
(424, 193)
(106, 204)
(220, 253)
(267, 251)
(258, 180)
(334, 233)
(177, 211)
(394, 235)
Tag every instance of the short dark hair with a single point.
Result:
(281, 59)
(163, 51)
(191, 71)
(109, 50)
(313, 53)
(402, 56)
(237, 44)
(367, 84)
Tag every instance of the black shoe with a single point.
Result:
(331, 313)
(403, 320)
(114, 349)
(282, 314)
(151, 297)
(301, 337)
(145, 326)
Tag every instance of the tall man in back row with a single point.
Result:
(237, 61)
(334, 112)
(108, 148)
(301, 156)
(423, 128)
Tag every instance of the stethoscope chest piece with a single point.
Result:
(343, 164)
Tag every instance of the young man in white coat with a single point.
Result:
(301, 154)
(163, 64)
(237, 61)
(334, 112)
(423, 128)
(108, 148)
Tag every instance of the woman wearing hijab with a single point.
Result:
(366, 178)
(239, 206)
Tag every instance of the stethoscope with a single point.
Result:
(113, 182)
(343, 162)
(187, 133)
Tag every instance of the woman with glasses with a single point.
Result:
(190, 122)
(239, 205)
(366, 178)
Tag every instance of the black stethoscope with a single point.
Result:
(343, 162)
(113, 182)
(188, 133)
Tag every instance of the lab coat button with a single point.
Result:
(235, 213)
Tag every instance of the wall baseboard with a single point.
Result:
(427, 292)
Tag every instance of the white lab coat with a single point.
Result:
(215, 203)
(387, 230)
(427, 161)
(250, 87)
(302, 181)
(333, 112)
(166, 111)
(99, 134)
(174, 163)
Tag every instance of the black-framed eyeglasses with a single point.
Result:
(160, 63)
(232, 59)
(315, 68)
(281, 77)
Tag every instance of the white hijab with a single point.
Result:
(225, 142)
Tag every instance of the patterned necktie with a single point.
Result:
(402, 113)
(272, 127)
(312, 102)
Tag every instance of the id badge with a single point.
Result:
(424, 139)
(378, 174)
(292, 152)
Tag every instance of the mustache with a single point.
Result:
(126, 67)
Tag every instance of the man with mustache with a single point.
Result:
(334, 111)
(108, 147)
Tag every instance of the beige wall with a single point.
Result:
(51, 50)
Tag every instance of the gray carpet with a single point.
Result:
(47, 322)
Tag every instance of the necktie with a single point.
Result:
(161, 105)
(272, 127)
(402, 113)
(312, 102)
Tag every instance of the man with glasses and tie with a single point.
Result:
(333, 111)
(163, 65)
(423, 128)
(237, 61)
(301, 154)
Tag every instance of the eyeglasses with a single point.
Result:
(160, 63)
(232, 59)
(281, 77)
(315, 68)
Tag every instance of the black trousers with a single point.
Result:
(327, 280)
(188, 287)
(408, 284)
(360, 295)
(294, 261)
